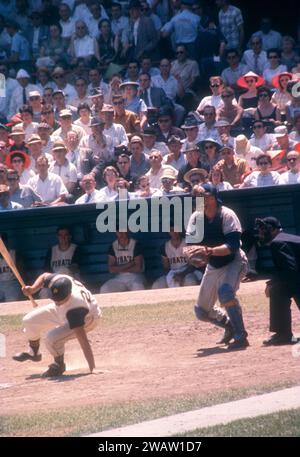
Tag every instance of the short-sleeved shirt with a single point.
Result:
(170, 86)
(230, 21)
(256, 179)
(127, 254)
(67, 172)
(233, 174)
(20, 45)
(184, 25)
(49, 189)
(176, 257)
(80, 304)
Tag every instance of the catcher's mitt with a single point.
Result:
(197, 256)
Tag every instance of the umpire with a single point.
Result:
(285, 284)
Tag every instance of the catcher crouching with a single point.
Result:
(226, 264)
(73, 313)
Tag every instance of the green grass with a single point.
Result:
(10, 322)
(281, 424)
(92, 419)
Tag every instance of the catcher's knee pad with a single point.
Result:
(201, 314)
(226, 293)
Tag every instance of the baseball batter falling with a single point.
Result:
(74, 313)
(226, 265)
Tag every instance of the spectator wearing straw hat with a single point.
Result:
(168, 183)
(17, 136)
(66, 125)
(35, 146)
(245, 150)
(249, 99)
(62, 167)
(283, 140)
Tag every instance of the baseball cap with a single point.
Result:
(60, 287)
(270, 221)
(65, 113)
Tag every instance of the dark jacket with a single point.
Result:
(158, 98)
(285, 250)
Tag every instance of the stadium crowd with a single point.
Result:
(151, 96)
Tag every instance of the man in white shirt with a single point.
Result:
(91, 194)
(270, 38)
(157, 169)
(35, 147)
(150, 143)
(172, 86)
(97, 14)
(82, 45)
(66, 21)
(20, 95)
(116, 132)
(118, 22)
(292, 176)
(59, 77)
(48, 186)
(255, 58)
(62, 167)
(208, 129)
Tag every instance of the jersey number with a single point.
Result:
(86, 296)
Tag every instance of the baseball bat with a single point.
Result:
(7, 257)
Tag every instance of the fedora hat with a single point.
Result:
(195, 171)
(96, 121)
(168, 173)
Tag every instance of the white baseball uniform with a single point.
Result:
(80, 310)
(178, 264)
(9, 286)
(124, 281)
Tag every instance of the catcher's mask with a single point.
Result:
(265, 227)
(61, 288)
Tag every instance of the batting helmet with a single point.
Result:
(61, 288)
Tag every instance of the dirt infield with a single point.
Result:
(147, 359)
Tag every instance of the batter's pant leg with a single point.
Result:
(57, 337)
(206, 308)
(39, 320)
(280, 310)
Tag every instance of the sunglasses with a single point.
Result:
(118, 103)
(215, 85)
(195, 181)
(263, 163)
(263, 95)
(292, 159)
(2, 171)
(209, 146)
(257, 127)
(167, 180)
(34, 98)
(154, 158)
(58, 76)
(179, 52)
(250, 81)
(16, 161)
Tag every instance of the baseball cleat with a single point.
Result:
(22, 356)
(280, 340)
(238, 344)
(54, 370)
(228, 335)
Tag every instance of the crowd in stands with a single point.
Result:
(150, 96)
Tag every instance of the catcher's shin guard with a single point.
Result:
(236, 319)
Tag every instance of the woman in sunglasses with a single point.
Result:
(216, 86)
(263, 176)
(209, 153)
(249, 100)
(266, 110)
(274, 67)
(20, 162)
(282, 97)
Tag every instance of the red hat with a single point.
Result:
(8, 159)
(273, 154)
(241, 82)
(297, 147)
(275, 80)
